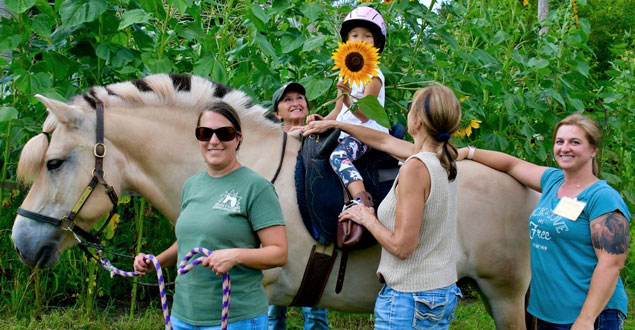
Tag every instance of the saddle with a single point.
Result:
(321, 194)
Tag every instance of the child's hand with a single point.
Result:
(313, 117)
(343, 87)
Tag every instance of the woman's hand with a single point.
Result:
(313, 117)
(318, 127)
(142, 264)
(359, 213)
(221, 261)
(582, 325)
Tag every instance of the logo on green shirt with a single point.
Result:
(229, 201)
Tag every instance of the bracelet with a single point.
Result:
(470, 154)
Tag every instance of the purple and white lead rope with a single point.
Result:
(182, 269)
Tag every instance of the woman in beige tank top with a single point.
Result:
(416, 222)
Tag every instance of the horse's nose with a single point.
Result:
(44, 256)
(18, 251)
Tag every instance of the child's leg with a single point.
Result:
(341, 160)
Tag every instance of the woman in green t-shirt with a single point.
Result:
(234, 212)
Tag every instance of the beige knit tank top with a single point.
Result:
(432, 265)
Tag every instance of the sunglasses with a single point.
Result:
(205, 134)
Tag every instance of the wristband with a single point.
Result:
(470, 154)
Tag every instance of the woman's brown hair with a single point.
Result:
(440, 113)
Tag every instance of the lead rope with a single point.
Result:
(182, 269)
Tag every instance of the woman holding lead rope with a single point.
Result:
(234, 212)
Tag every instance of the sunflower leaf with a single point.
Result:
(373, 110)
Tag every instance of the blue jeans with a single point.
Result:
(256, 323)
(314, 318)
(609, 319)
(432, 309)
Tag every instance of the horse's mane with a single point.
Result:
(174, 91)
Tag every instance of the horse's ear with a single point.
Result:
(65, 114)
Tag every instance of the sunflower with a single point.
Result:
(467, 131)
(357, 62)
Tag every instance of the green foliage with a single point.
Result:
(519, 84)
(611, 23)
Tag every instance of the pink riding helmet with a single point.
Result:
(369, 18)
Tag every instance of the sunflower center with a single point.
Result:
(354, 61)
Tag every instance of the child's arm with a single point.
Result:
(372, 88)
(333, 114)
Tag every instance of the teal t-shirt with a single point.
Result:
(220, 213)
(562, 256)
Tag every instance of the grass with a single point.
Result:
(470, 315)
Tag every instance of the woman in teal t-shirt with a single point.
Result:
(234, 212)
(578, 231)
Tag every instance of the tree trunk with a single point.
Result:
(543, 12)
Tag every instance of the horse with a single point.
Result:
(149, 148)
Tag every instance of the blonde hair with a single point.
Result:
(592, 132)
(439, 111)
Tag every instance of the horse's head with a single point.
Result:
(60, 171)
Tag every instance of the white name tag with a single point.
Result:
(569, 208)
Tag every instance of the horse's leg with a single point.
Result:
(506, 300)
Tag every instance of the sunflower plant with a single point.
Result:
(358, 62)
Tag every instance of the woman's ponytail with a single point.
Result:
(440, 112)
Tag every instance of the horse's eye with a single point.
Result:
(54, 163)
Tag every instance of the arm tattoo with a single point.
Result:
(609, 232)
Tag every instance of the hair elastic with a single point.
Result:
(443, 137)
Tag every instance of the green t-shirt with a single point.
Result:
(220, 213)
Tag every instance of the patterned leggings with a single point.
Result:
(342, 158)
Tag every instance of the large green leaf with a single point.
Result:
(8, 113)
(313, 43)
(373, 110)
(551, 92)
(19, 6)
(42, 25)
(181, 5)
(576, 104)
(291, 42)
(29, 83)
(257, 11)
(134, 16)
(315, 87)
(156, 65)
(265, 45)
(75, 12)
(218, 73)
(312, 11)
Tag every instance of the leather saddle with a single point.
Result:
(320, 192)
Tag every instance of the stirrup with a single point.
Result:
(350, 204)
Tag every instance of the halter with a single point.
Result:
(84, 238)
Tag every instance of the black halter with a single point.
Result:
(84, 238)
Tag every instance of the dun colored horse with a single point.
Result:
(151, 149)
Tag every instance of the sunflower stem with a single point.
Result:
(329, 102)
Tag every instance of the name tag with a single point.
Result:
(569, 208)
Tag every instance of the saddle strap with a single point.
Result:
(316, 275)
(342, 272)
